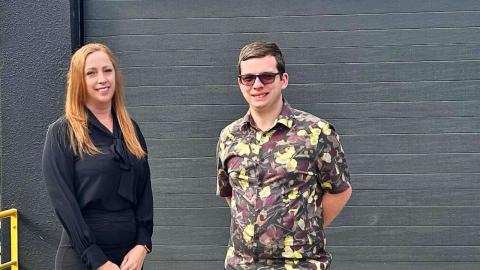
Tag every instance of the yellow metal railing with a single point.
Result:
(13, 263)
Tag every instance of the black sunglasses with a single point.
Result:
(265, 78)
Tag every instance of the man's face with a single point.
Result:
(266, 96)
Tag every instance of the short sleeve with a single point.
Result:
(334, 176)
(224, 189)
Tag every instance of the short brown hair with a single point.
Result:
(260, 49)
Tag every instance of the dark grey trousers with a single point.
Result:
(67, 258)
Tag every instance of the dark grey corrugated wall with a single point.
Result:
(34, 53)
(399, 79)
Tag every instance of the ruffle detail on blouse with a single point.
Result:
(127, 185)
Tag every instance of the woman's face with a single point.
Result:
(100, 80)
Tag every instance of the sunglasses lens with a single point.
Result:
(248, 79)
(267, 78)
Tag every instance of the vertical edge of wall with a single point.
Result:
(35, 40)
(76, 24)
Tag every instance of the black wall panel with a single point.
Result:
(399, 80)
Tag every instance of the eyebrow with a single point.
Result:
(264, 72)
(108, 66)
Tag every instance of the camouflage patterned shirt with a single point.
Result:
(276, 180)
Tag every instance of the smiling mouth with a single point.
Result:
(260, 95)
(103, 89)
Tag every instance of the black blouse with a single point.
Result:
(113, 180)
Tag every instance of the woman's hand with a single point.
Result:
(134, 258)
(108, 266)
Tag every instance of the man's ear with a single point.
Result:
(284, 80)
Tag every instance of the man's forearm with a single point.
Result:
(333, 204)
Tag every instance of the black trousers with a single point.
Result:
(115, 234)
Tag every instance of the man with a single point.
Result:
(282, 172)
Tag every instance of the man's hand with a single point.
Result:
(134, 258)
(108, 266)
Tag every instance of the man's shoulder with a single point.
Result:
(307, 120)
(232, 128)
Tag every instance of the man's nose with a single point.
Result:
(257, 83)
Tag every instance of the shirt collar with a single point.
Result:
(285, 117)
(92, 119)
(118, 147)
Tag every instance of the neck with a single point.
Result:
(100, 111)
(264, 119)
(103, 114)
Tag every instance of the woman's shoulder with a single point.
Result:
(139, 134)
(135, 124)
(136, 127)
(59, 124)
(58, 129)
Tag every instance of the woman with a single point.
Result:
(96, 169)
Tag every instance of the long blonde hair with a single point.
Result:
(76, 114)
